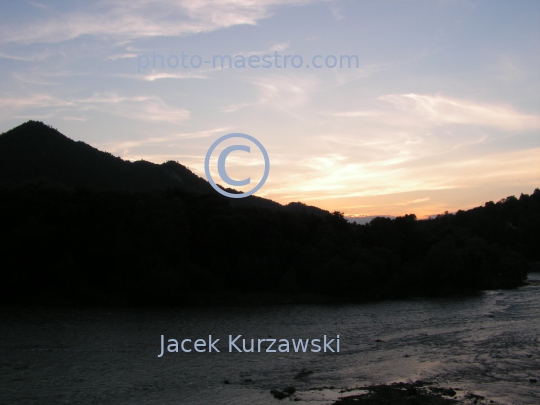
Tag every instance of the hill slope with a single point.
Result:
(35, 151)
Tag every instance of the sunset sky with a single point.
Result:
(442, 112)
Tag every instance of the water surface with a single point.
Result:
(487, 344)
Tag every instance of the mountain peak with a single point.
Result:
(36, 130)
(35, 124)
(35, 150)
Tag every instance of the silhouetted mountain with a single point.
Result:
(34, 151)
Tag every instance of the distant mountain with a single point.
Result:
(34, 151)
(367, 219)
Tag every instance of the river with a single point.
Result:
(488, 344)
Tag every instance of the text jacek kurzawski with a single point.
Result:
(237, 344)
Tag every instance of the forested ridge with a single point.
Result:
(173, 245)
(161, 247)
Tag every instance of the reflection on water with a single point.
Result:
(487, 344)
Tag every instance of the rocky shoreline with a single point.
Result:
(417, 393)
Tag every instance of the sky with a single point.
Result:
(439, 109)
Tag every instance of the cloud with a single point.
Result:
(139, 108)
(407, 143)
(334, 177)
(235, 107)
(285, 91)
(69, 118)
(150, 77)
(337, 12)
(38, 5)
(413, 111)
(142, 108)
(142, 18)
(34, 100)
(36, 57)
(127, 147)
(360, 113)
(439, 110)
(122, 56)
(34, 78)
(279, 47)
(37, 75)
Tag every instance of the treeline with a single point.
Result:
(80, 245)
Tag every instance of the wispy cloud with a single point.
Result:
(143, 108)
(421, 110)
(407, 143)
(441, 110)
(235, 107)
(27, 56)
(127, 148)
(138, 108)
(150, 77)
(285, 91)
(34, 100)
(337, 12)
(359, 113)
(333, 177)
(279, 47)
(143, 18)
(69, 118)
(121, 56)
(38, 5)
